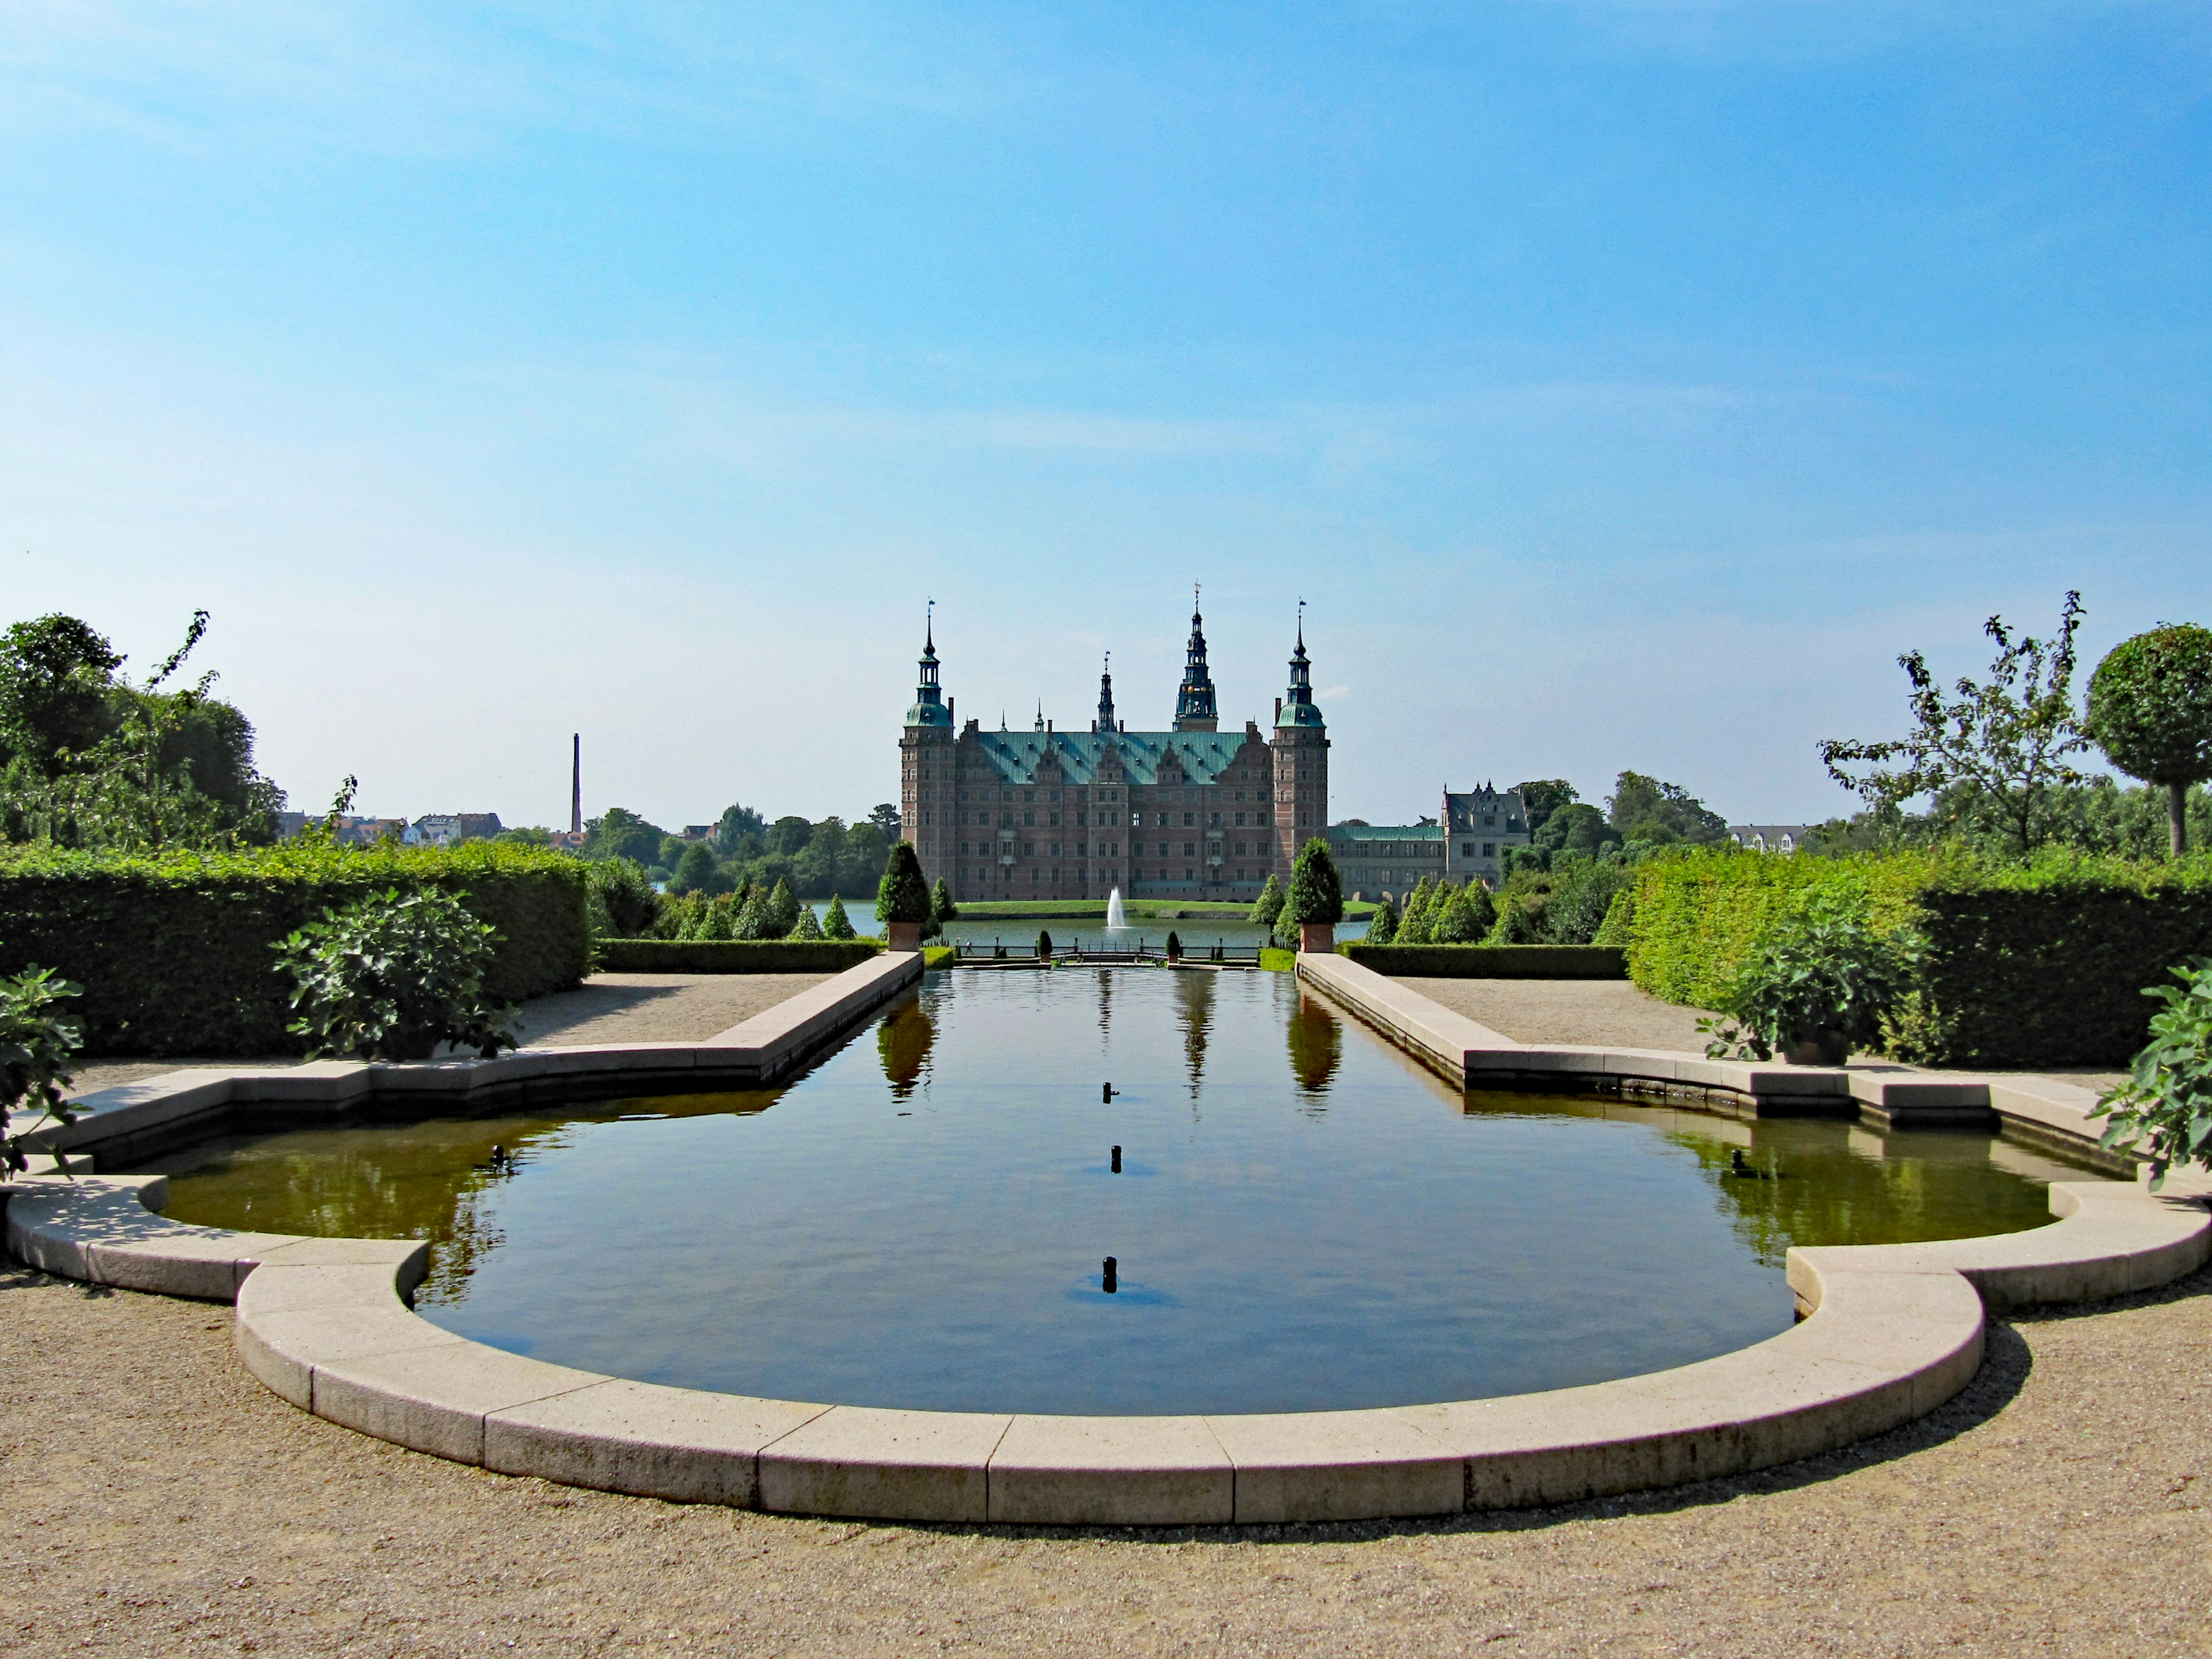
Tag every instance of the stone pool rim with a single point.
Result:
(1890, 1332)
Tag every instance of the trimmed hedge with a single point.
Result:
(1491, 961)
(175, 951)
(2038, 964)
(734, 955)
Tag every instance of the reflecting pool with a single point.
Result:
(1297, 1217)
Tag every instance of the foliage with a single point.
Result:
(1821, 975)
(1269, 905)
(1542, 797)
(835, 924)
(37, 1043)
(1043, 946)
(698, 871)
(623, 902)
(2167, 1099)
(2026, 964)
(1991, 755)
(1521, 917)
(1383, 925)
(1576, 827)
(781, 956)
(1316, 889)
(1581, 894)
(1644, 809)
(1461, 919)
(942, 910)
(174, 949)
(809, 926)
(2150, 711)
(393, 976)
(1619, 917)
(1275, 959)
(1175, 944)
(93, 761)
(1415, 925)
(731, 828)
(902, 895)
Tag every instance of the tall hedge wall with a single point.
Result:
(174, 952)
(2037, 964)
(1490, 961)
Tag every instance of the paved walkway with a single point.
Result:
(606, 1008)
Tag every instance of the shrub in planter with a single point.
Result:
(394, 975)
(36, 1045)
(902, 898)
(1819, 984)
(2166, 1100)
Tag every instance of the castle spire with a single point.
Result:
(1105, 720)
(929, 708)
(1298, 708)
(1195, 705)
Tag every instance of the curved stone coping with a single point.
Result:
(124, 1119)
(1891, 1332)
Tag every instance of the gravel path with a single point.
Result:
(1605, 1010)
(606, 1008)
(155, 1499)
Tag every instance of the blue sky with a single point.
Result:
(1624, 383)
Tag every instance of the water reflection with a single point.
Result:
(1316, 1042)
(904, 1039)
(1194, 994)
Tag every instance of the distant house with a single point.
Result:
(699, 832)
(566, 841)
(450, 829)
(367, 832)
(1771, 838)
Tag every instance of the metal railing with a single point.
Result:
(1075, 953)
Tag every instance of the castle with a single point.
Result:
(1191, 812)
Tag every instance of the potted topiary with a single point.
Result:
(1819, 984)
(902, 898)
(1316, 900)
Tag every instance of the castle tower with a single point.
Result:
(1195, 709)
(1300, 746)
(1105, 720)
(925, 766)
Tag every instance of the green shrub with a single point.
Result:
(835, 924)
(744, 956)
(902, 895)
(2167, 1099)
(1043, 946)
(1268, 907)
(174, 951)
(37, 1044)
(623, 902)
(2039, 963)
(1821, 980)
(394, 975)
(1276, 960)
(1382, 926)
(1489, 961)
(1316, 889)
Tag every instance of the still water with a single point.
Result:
(1301, 1219)
(1018, 933)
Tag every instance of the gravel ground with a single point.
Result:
(155, 1499)
(1605, 1010)
(607, 1008)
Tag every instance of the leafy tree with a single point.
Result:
(393, 976)
(860, 864)
(1580, 827)
(809, 926)
(1644, 809)
(696, 872)
(789, 836)
(835, 924)
(1993, 754)
(902, 895)
(1316, 889)
(621, 834)
(1455, 921)
(752, 918)
(782, 909)
(620, 901)
(1044, 945)
(1383, 923)
(2150, 711)
(1543, 797)
(1582, 893)
(1414, 927)
(525, 835)
(736, 822)
(55, 677)
(1481, 909)
(1269, 904)
(36, 1043)
(885, 817)
(941, 907)
(1519, 918)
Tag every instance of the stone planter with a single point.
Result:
(1828, 1048)
(1317, 937)
(904, 935)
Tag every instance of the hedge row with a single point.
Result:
(1491, 961)
(734, 955)
(2038, 964)
(175, 952)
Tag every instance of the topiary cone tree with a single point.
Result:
(902, 898)
(2150, 711)
(1316, 898)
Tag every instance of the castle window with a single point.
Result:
(1164, 853)
(1029, 818)
(1490, 849)
(1028, 849)
(1055, 818)
(1189, 851)
(1188, 819)
(1055, 853)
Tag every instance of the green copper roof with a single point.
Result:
(1204, 755)
(1349, 833)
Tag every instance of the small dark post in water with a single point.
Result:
(1106, 1279)
(1105, 1094)
(1117, 1160)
